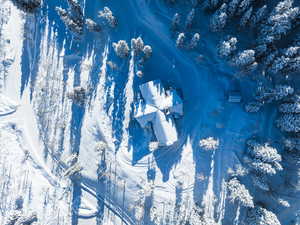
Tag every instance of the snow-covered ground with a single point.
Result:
(127, 183)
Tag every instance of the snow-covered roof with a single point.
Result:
(154, 94)
(157, 101)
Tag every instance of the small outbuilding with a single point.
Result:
(159, 107)
(234, 97)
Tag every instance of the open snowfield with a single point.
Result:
(42, 132)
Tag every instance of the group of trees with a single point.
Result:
(265, 94)
(261, 161)
(289, 120)
(75, 21)
(141, 52)
(184, 38)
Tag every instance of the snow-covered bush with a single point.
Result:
(27, 5)
(176, 21)
(219, 19)
(289, 123)
(209, 143)
(244, 58)
(92, 25)
(227, 47)
(137, 44)
(190, 19)
(253, 107)
(121, 49)
(108, 16)
(239, 193)
(195, 40)
(180, 40)
(261, 216)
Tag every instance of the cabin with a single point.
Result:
(159, 107)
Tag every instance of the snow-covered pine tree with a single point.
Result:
(245, 20)
(244, 58)
(261, 216)
(253, 106)
(263, 158)
(137, 44)
(190, 19)
(195, 40)
(74, 25)
(232, 7)
(227, 47)
(292, 144)
(92, 25)
(147, 50)
(180, 40)
(176, 21)
(121, 48)
(260, 181)
(243, 7)
(268, 95)
(289, 123)
(239, 193)
(108, 16)
(280, 22)
(218, 20)
(289, 107)
(258, 16)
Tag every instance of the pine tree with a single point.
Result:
(121, 48)
(279, 22)
(219, 19)
(176, 21)
(261, 216)
(239, 193)
(108, 16)
(195, 40)
(190, 19)
(289, 123)
(180, 40)
(246, 17)
(259, 16)
(244, 58)
(227, 47)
